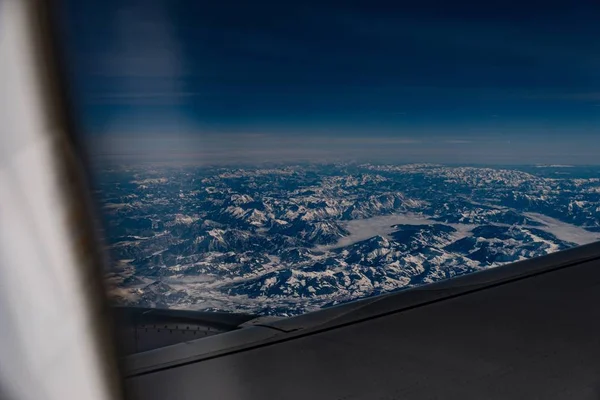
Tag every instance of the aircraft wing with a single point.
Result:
(522, 331)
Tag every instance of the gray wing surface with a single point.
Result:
(529, 330)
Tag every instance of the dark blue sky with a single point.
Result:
(426, 71)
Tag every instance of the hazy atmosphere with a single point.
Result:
(466, 82)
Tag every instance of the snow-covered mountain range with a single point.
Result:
(290, 239)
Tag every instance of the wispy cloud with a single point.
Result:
(589, 96)
(378, 141)
(143, 97)
(458, 141)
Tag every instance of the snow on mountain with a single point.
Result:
(285, 240)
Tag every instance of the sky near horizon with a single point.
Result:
(428, 81)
